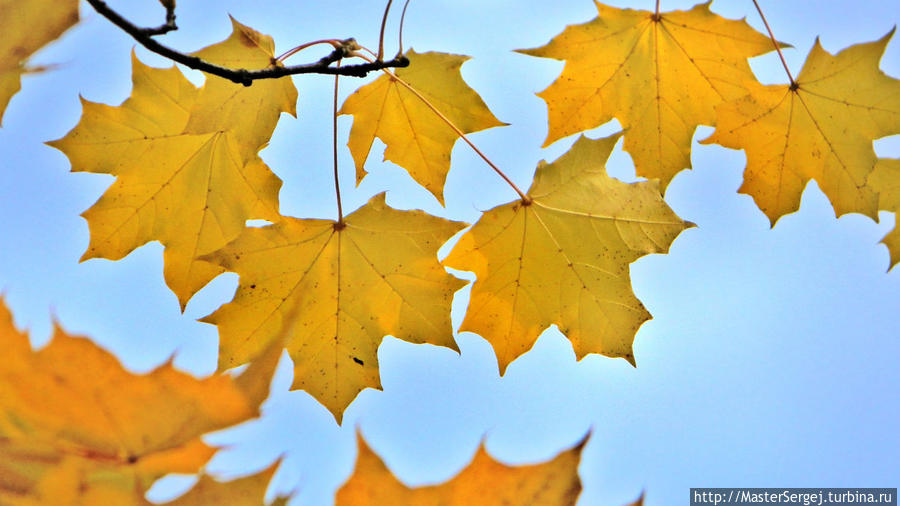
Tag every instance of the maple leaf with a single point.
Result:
(27, 27)
(563, 259)
(185, 161)
(340, 290)
(820, 128)
(659, 76)
(483, 481)
(249, 112)
(77, 428)
(885, 180)
(246, 491)
(416, 138)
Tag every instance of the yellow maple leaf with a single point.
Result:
(340, 290)
(27, 27)
(563, 259)
(249, 112)
(246, 491)
(185, 161)
(885, 180)
(660, 77)
(416, 138)
(821, 128)
(77, 428)
(484, 481)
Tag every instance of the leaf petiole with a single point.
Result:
(776, 44)
(524, 197)
(335, 43)
(337, 184)
(402, 20)
(387, 9)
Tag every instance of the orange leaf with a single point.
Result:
(660, 77)
(416, 138)
(563, 259)
(820, 129)
(483, 481)
(250, 113)
(246, 491)
(27, 27)
(75, 424)
(337, 291)
(185, 161)
(885, 180)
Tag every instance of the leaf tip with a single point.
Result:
(639, 501)
(579, 446)
(527, 51)
(88, 255)
(338, 415)
(883, 41)
(502, 365)
(549, 140)
(817, 45)
(235, 24)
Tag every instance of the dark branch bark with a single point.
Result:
(168, 26)
(242, 76)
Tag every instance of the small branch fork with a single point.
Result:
(168, 26)
(241, 76)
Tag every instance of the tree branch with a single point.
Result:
(242, 76)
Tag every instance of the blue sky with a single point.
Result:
(770, 361)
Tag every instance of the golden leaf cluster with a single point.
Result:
(87, 431)
(188, 174)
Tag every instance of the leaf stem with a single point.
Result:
(334, 128)
(387, 9)
(335, 43)
(525, 198)
(775, 43)
(402, 19)
(656, 12)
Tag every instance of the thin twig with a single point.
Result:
(402, 20)
(387, 9)
(290, 52)
(775, 43)
(166, 27)
(334, 128)
(244, 76)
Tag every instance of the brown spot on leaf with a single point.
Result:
(249, 39)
